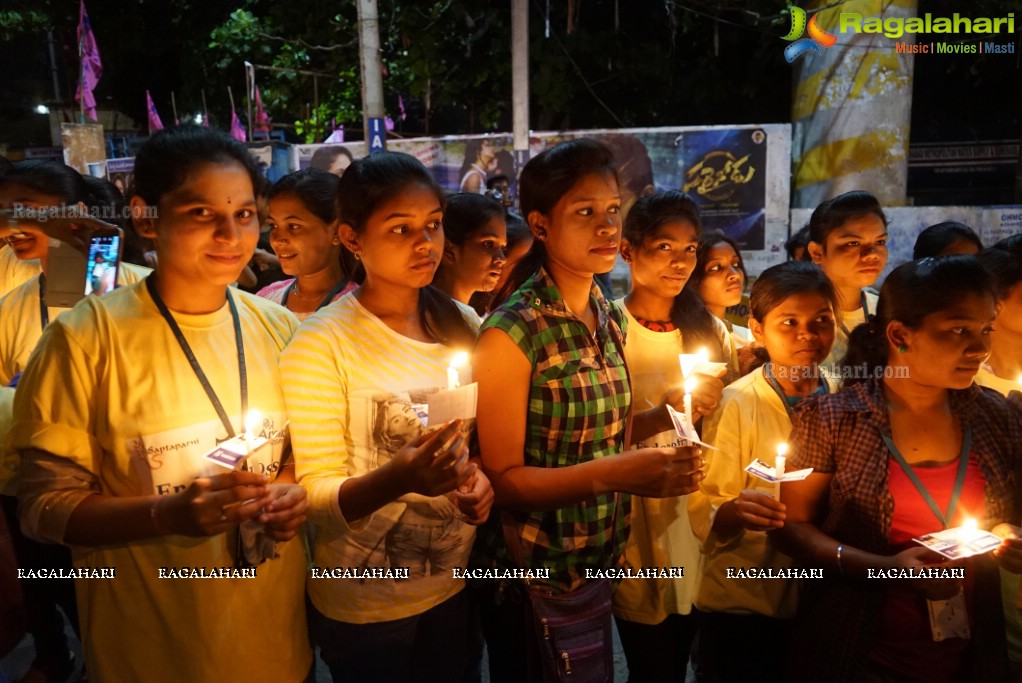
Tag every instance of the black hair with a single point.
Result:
(688, 312)
(494, 179)
(467, 212)
(936, 238)
(833, 213)
(911, 292)
(364, 187)
(107, 203)
(1004, 262)
(472, 149)
(49, 177)
(544, 181)
(323, 158)
(706, 244)
(167, 158)
(316, 189)
(5, 165)
(777, 283)
(800, 240)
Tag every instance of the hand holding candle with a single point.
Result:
(779, 463)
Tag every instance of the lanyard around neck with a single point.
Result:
(768, 373)
(963, 465)
(193, 361)
(44, 311)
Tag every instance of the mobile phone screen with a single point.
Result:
(101, 270)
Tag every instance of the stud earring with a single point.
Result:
(902, 349)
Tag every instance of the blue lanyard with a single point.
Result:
(963, 465)
(193, 361)
(768, 373)
(44, 311)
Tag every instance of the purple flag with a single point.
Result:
(155, 123)
(92, 67)
(237, 130)
(262, 120)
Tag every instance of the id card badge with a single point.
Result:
(948, 618)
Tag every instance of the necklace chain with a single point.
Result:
(298, 294)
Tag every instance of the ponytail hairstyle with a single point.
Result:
(777, 283)
(936, 238)
(316, 189)
(544, 181)
(364, 187)
(833, 213)
(911, 292)
(688, 313)
(49, 177)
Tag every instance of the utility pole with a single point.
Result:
(372, 75)
(520, 81)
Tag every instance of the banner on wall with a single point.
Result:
(738, 175)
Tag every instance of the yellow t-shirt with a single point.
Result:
(353, 387)
(14, 271)
(111, 393)
(749, 424)
(661, 535)
(21, 320)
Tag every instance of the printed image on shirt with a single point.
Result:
(419, 532)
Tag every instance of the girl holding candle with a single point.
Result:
(304, 235)
(475, 240)
(910, 450)
(848, 240)
(654, 617)
(115, 413)
(385, 493)
(554, 399)
(747, 621)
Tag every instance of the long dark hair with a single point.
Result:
(316, 189)
(364, 187)
(688, 313)
(911, 292)
(833, 213)
(545, 179)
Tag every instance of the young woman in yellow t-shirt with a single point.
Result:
(113, 418)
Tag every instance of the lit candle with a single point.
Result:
(779, 462)
(690, 385)
(690, 361)
(252, 422)
(968, 530)
(453, 378)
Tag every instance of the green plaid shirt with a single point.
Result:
(578, 406)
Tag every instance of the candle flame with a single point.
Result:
(782, 449)
(690, 385)
(970, 524)
(253, 421)
(702, 355)
(459, 359)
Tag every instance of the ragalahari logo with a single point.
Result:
(818, 38)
